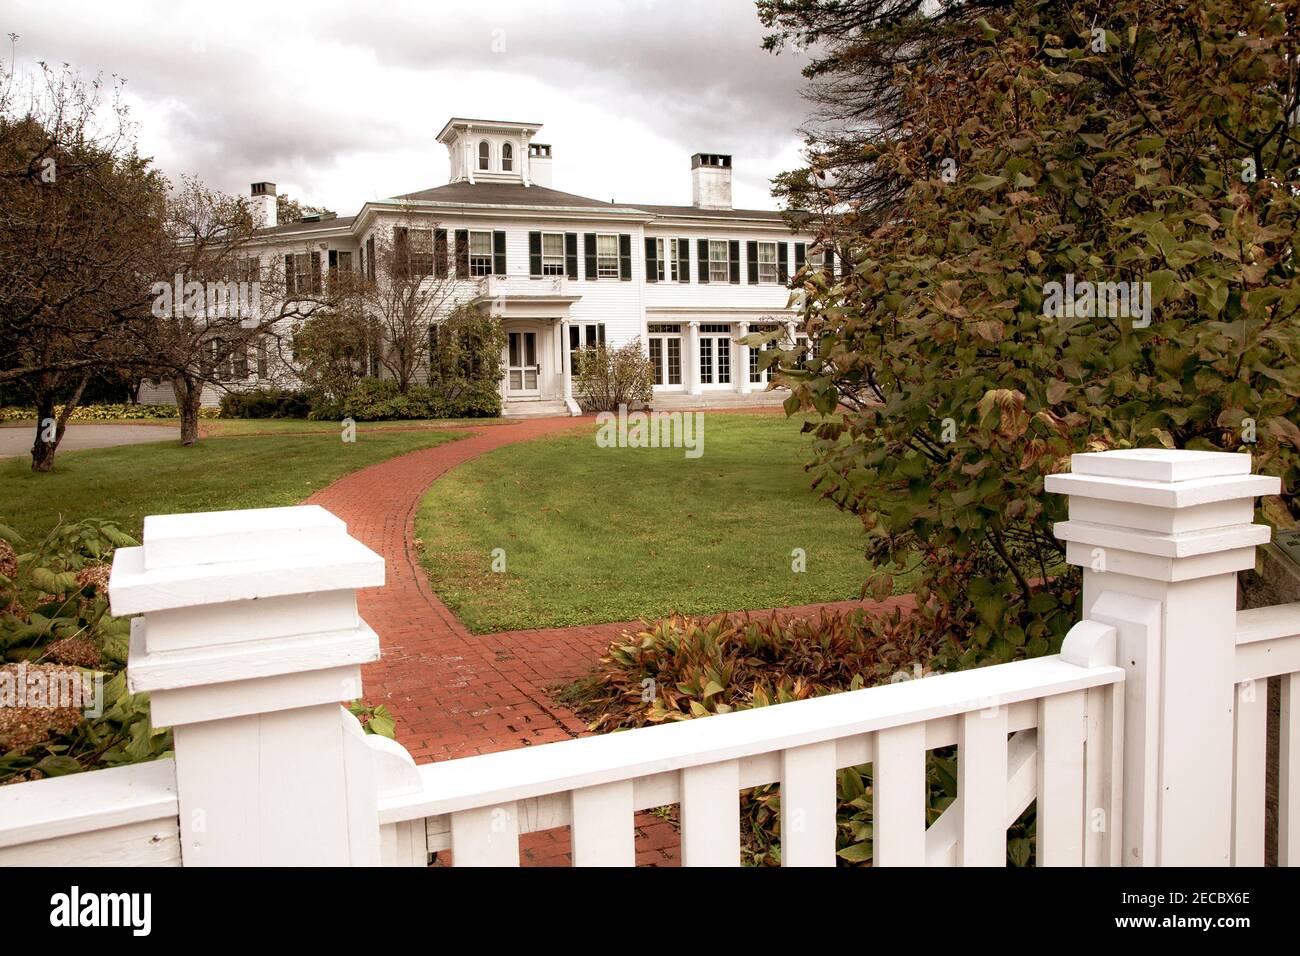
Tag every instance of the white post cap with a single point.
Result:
(1164, 514)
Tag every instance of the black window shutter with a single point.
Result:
(440, 253)
(589, 253)
(499, 252)
(800, 256)
(846, 264)
(651, 262)
(462, 253)
(751, 253)
(315, 272)
(334, 260)
(683, 260)
(571, 254)
(782, 263)
(702, 258)
(625, 256)
(535, 255)
(288, 275)
(733, 248)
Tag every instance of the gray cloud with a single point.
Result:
(234, 95)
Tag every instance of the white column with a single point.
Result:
(1160, 535)
(564, 363)
(692, 357)
(744, 387)
(248, 640)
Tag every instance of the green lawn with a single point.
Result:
(128, 482)
(596, 534)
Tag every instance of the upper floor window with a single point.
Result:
(607, 256)
(767, 262)
(484, 156)
(659, 259)
(719, 270)
(552, 253)
(480, 253)
(672, 259)
(507, 157)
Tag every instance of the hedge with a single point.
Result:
(103, 413)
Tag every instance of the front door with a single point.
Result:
(523, 370)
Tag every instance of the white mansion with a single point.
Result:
(563, 271)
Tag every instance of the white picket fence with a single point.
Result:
(1143, 743)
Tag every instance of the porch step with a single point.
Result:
(534, 409)
(666, 401)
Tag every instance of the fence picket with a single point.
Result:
(1288, 776)
(982, 787)
(485, 836)
(710, 815)
(808, 805)
(1249, 757)
(898, 797)
(602, 829)
(1060, 817)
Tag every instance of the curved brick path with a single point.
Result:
(454, 693)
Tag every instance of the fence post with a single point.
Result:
(1160, 535)
(247, 641)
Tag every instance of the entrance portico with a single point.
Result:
(534, 317)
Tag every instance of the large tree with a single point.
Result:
(409, 286)
(1152, 143)
(219, 298)
(80, 212)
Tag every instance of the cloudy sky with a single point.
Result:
(338, 103)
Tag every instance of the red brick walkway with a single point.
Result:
(454, 693)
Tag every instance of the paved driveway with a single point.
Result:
(17, 441)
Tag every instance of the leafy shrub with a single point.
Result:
(102, 413)
(950, 386)
(378, 399)
(683, 668)
(54, 621)
(608, 378)
(265, 403)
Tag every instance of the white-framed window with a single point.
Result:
(507, 157)
(552, 253)
(301, 279)
(607, 256)
(672, 260)
(660, 247)
(719, 269)
(480, 253)
(247, 270)
(583, 335)
(484, 156)
(767, 262)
